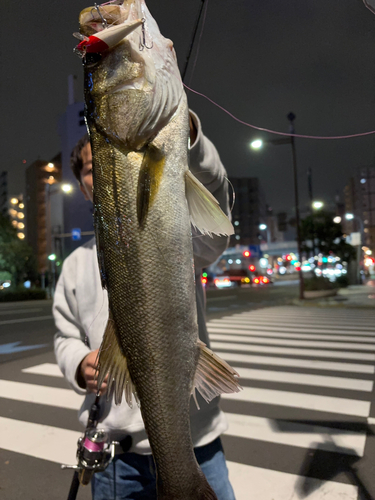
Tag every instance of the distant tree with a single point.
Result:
(16, 257)
(328, 236)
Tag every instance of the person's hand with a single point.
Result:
(87, 374)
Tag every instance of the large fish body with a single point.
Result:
(137, 115)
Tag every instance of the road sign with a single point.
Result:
(255, 251)
(76, 234)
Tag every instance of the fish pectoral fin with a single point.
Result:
(205, 212)
(112, 361)
(149, 179)
(213, 376)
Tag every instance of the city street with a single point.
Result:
(301, 428)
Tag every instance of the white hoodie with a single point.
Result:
(80, 310)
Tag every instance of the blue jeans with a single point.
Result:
(132, 476)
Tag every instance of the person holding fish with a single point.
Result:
(134, 325)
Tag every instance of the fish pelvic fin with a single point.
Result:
(205, 212)
(213, 376)
(149, 179)
(112, 361)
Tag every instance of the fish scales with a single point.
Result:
(137, 116)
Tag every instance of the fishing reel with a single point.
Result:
(94, 453)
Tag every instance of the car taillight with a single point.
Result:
(226, 280)
(257, 281)
(265, 280)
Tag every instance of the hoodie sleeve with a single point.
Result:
(206, 165)
(69, 341)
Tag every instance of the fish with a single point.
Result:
(146, 202)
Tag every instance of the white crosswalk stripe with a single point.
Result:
(292, 362)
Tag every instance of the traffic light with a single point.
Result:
(246, 253)
(252, 268)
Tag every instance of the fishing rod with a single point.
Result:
(193, 40)
(95, 452)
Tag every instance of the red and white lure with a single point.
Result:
(105, 39)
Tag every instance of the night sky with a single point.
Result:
(260, 59)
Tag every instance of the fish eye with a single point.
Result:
(92, 58)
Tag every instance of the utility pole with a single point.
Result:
(291, 117)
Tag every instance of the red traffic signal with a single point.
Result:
(246, 253)
(252, 268)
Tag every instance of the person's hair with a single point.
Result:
(76, 163)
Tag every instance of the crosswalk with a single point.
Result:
(307, 377)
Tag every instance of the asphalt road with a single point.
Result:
(302, 427)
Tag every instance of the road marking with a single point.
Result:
(312, 402)
(13, 347)
(39, 441)
(49, 369)
(224, 297)
(40, 394)
(20, 311)
(311, 353)
(352, 384)
(305, 343)
(250, 332)
(264, 484)
(25, 320)
(296, 434)
(306, 329)
(298, 363)
(273, 323)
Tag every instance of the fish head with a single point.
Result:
(133, 88)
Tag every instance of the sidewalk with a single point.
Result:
(359, 296)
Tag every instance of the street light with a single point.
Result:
(262, 227)
(257, 144)
(317, 205)
(337, 220)
(67, 188)
(349, 216)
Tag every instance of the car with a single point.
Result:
(261, 280)
(232, 278)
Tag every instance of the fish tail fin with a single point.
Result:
(213, 376)
(205, 212)
(112, 361)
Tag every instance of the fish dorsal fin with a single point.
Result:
(213, 376)
(112, 361)
(205, 212)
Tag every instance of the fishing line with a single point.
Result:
(199, 42)
(301, 136)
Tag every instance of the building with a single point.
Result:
(249, 212)
(77, 212)
(16, 214)
(42, 179)
(359, 196)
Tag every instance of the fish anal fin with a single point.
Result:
(112, 361)
(214, 376)
(205, 212)
(149, 180)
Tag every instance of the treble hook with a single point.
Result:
(104, 21)
(142, 43)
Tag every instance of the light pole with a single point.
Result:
(350, 216)
(66, 189)
(257, 144)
